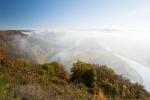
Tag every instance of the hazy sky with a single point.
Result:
(74, 14)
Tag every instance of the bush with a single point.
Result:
(3, 54)
(56, 70)
(5, 87)
(84, 73)
(99, 95)
(21, 62)
(108, 88)
(100, 77)
(49, 69)
(59, 70)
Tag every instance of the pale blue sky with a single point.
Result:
(74, 14)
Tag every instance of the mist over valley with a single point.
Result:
(102, 47)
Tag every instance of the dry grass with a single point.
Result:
(51, 92)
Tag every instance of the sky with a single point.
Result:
(75, 14)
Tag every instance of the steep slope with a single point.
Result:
(22, 80)
(49, 46)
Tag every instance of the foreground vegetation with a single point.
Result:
(22, 80)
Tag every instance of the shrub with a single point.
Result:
(3, 54)
(59, 70)
(21, 62)
(84, 73)
(108, 87)
(5, 86)
(56, 70)
(99, 95)
(49, 69)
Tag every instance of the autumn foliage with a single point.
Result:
(100, 78)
